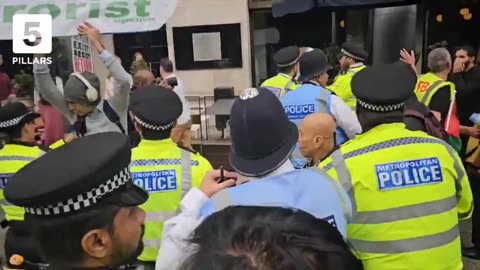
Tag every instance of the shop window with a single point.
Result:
(152, 45)
(352, 25)
(308, 29)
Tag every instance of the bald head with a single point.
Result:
(143, 78)
(317, 135)
(320, 124)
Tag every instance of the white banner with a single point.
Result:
(121, 16)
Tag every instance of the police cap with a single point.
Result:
(354, 51)
(287, 56)
(384, 87)
(14, 114)
(155, 107)
(313, 63)
(86, 172)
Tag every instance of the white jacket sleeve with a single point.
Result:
(344, 117)
(177, 230)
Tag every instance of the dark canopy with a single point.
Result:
(283, 7)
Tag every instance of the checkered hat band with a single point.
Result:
(380, 108)
(152, 127)
(83, 200)
(12, 122)
(343, 51)
(289, 64)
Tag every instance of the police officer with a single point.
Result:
(257, 115)
(83, 210)
(162, 168)
(352, 59)
(286, 60)
(312, 97)
(408, 188)
(21, 148)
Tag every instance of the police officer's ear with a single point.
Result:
(322, 79)
(97, 243)
(137, 128)
(296, 68)
(318, 141)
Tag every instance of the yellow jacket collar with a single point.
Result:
(156, 143)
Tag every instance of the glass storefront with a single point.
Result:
(152, 45)
(328, 28)
(309, 29)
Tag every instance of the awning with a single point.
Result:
(284, 7)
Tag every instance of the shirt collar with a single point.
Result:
(314, 82)
(358, 64)
(284, 168)
(96, 111)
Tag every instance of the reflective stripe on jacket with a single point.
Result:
(408, 190)
(167, 172)
(342, 88)
(13, 157)
(280, 84)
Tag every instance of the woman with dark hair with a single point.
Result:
(268, 238)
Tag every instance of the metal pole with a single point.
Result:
(334, 27)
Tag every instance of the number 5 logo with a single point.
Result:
(30, 27)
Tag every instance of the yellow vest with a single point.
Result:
(428, 84)
(342, 88)
(280, 84)
(167, 172)
(408, 190)
(13, 157)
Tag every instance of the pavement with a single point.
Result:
(466, 234)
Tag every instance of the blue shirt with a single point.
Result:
(308, 190)
(305, 100)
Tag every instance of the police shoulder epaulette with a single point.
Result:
(188, 149)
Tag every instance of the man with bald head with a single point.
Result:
(143, 78)
(317, 137)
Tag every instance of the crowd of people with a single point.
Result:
(372, 171)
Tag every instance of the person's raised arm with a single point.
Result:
(409, 59)
(49, 91)
(123, 80)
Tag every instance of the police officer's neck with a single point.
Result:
(315, 82)
(23, 140)
(284, 168)
(370, 120)
(320, 155)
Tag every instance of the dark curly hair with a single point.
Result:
(268, 238)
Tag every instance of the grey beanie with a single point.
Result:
(75, 90)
